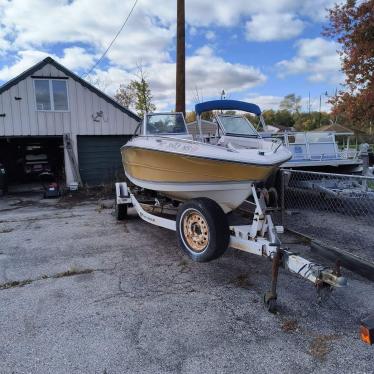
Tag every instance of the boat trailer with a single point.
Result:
(260, 237)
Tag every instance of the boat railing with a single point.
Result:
(315, 146)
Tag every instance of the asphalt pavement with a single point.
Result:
(83, 293)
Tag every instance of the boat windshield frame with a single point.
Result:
(218, 117)
(146, 123)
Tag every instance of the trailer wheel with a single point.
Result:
(120, 211)
(202, 229)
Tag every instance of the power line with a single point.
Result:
(111, 43)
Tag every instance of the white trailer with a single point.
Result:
(204, 234)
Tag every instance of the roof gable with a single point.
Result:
(69, 73)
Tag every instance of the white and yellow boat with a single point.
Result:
(164, 158)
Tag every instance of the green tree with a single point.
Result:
(291, 102)
(136, 94)
(269, 116)
(311, 121)
(190, 117)
(284, 118)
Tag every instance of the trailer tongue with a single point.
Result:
(201, 228)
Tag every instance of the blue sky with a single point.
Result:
(255, 51)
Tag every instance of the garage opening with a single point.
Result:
(99, 158)
(26, 158)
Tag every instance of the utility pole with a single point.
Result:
(320, 102)
(309, 103)
(223, 97)
(180, 89)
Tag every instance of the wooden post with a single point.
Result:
(180, 97)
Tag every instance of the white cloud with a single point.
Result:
(210, 35)
(41, 23)
(315, 57)
(267, 102)
(273, 26)
(24, 60)
(38, 23)
(205, 72)
(28, 29)
(76, 58)
(73, 58)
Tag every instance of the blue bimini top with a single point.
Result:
(227, 105)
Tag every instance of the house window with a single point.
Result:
(51, 95)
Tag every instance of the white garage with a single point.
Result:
(50, 117)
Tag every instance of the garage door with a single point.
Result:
(99, 158)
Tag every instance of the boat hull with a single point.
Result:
(160, 166)
(229, 195)
(183, 177)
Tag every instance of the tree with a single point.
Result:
(352, 25)
(283, 118)
(291, 102)
(269, 116)
(190, 117)
(143, 97)
(125, 96)
(136, 94)
(310, 121)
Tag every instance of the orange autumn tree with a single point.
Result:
(352, 25)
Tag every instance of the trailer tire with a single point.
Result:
(120, 211)
(202, 229)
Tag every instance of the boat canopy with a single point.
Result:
(227, 105)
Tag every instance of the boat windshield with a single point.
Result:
(237, 125)
(165, 123)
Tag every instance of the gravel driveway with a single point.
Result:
(82, 293)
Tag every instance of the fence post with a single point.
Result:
(282, 197)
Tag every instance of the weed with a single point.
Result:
(71, 272)
(290, 325)
(5, 231)
(14, 284)
(68, 273)
(242, 281)
(183, 264)
(320, 346)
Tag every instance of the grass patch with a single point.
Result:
(68, 273)
(242, 281)
(14, 284)
(321, 346)
(71, 272)
(290, 325)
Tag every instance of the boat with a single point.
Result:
(311, 150)
(166, 159)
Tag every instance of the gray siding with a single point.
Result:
(23, 119)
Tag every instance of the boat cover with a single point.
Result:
(227, 105)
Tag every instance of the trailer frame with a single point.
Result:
(259, 237)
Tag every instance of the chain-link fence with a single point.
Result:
(350, 195)
(331, 207)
